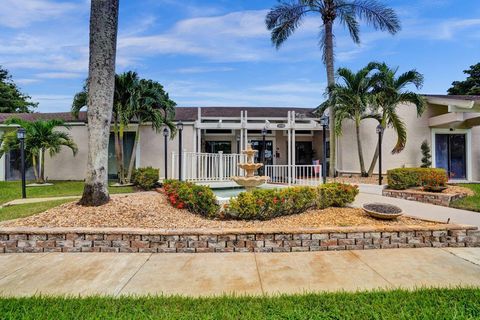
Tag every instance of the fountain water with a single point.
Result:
(250, 180)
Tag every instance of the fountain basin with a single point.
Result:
(250, 182)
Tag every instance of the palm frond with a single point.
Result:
(375, 14)
(284, 19)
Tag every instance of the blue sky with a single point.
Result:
(209, 52)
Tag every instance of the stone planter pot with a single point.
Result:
(382, 210)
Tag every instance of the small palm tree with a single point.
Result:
(350, 97)
(389, 92)
(150, 104)
(286, 17)
(40, 137)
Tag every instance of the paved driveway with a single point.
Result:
(240, 273)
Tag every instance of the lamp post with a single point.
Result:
(380, 130)
(165, 136)
(324, 123)
(21, 136)
(264, 133)
(180, 147)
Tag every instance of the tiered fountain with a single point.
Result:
(250, 180)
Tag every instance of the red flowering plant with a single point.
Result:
(434, 180)
(194, 198)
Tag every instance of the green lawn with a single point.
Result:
(10, 190)
(25, 210)
(398, 304)
(469, 203)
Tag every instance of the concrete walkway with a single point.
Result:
(37, 200)
(238, 273)
(423, 210)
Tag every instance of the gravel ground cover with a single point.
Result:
(152, 210)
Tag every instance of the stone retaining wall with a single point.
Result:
(441, 199)
(14, 240)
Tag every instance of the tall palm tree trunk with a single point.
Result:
(331, 83)
(101, 82)
(359, 147)
(42, 166)
(35, 168)
(133, 156)
(117, 145)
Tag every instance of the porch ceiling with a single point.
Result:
(463, 111)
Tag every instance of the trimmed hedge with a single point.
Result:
(264, 204)
(259, 204)
(145, 178)
(195, 198)
(404, 178)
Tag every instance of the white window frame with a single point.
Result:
(468, 143)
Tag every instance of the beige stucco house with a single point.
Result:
(450, 124)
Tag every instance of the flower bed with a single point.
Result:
(147, 222)
(259, 204)
(443, 198)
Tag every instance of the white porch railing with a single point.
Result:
(207, 166)
(294, 174)
(219, 167)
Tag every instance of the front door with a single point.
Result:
(268, 154)
(303, 152)
(450, 154)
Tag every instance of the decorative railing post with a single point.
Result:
(221, 174)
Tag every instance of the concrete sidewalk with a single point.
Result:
(239, 273)
(423, 210)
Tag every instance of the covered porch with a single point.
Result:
(453, 125)
(290, 146)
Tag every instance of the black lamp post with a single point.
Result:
(380, 130)
(180, 147)
(264, 133)
(324, 123)
(21, 136)
(165, 136)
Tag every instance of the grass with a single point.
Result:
(397, 304)
(10, 190)
(471, 203)
(25, 210)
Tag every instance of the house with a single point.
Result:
(450, 124)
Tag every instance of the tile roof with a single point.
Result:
(182, 113)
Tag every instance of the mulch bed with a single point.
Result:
(152, 210)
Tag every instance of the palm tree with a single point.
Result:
(389, 92)
(285, 18)
(134, 99)
(41, 136)
(350, 99)
(151, 104)
(101, 83)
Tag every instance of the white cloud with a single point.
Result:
(25, 81)
(52, 102)
(22, 13)
(60, 75)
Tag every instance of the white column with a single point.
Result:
(294, 172)
(240, 148)
(289, 151)
(246, 130)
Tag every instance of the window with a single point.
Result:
(218, 131)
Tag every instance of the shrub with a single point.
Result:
(263, 204)
(336, 195)
(426, 155)
(404, 178)
(145, 178)
(195, 198)
(434, 179)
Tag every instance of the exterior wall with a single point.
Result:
(65, 166)
(475, 153)
(417, 131)
(152, 147)
(2, 163)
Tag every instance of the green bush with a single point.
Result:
(264, 204)
(195, 198)
(404, 178)
(145, 178)
(335, 195)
